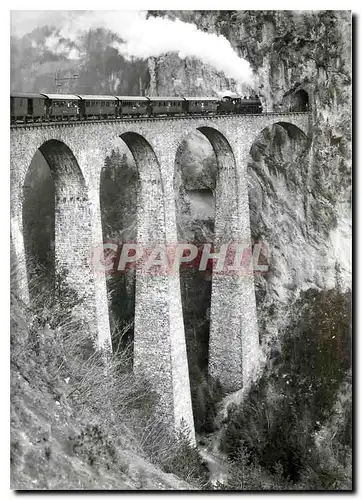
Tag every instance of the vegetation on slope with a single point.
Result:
(296, 421)
(80, 421)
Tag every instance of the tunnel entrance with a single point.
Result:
(300, 101)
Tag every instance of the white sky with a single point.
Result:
(25, 21)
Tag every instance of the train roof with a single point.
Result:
(166, 98)
(97, 97)
(232, 95)
(201, 98)
(63, 97)
(235, 96)
(131, 98)
(24, 94)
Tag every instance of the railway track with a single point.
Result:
(142, 119)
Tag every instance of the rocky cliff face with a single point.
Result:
(299, 188)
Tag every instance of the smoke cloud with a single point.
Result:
(144, 37)
(61, 47)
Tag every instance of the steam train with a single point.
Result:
(28, 108)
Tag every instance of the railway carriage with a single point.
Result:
(54, 107)
(62, 106)
(201, 105)
(101, 106)
(27, 107)
(133, 106)
(167, 105)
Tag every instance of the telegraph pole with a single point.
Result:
(58, 81)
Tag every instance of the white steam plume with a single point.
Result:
(143, 38)
(60, 47)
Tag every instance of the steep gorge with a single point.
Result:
(299, 191)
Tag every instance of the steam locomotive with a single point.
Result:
(28, 108)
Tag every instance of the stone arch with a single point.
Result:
(150, 203)
(140, 219)
(226, 192)
(67, 208)
(225, 343)
(159, 353)
(226, 182)
(276, 180)
(151, 291)
(294, 132)
(62, 163)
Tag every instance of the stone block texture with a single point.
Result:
(75, 154)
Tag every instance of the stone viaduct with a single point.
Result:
(76, 153)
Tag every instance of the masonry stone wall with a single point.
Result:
(76, 154)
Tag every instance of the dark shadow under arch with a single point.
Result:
(54, 185)
(222, 149)
(294, 132)
(150, 202)
(62, 163)
(277, 133)
(141, 218)
(217, 181)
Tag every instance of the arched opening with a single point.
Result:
(55, 208)
(204, 172)
(131, 206)
(277, 179)
(300, 101)
(118, 194)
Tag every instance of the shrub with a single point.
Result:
(186, 461)
(278, 420)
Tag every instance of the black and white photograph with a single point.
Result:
(180, 250)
